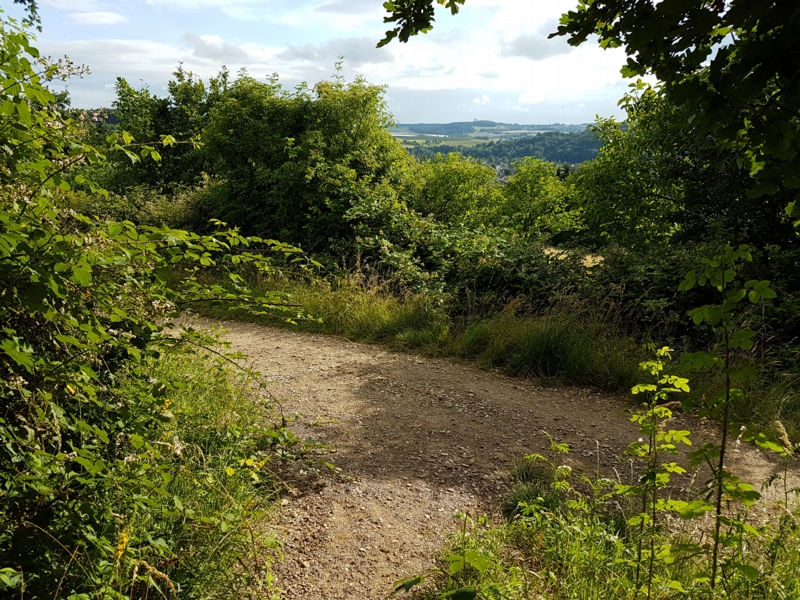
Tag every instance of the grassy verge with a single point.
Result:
(203, 534)
(566, 344)
(562, 543)
(561, 346)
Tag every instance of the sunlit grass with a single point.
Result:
(565, 344)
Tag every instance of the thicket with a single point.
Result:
(133, 462)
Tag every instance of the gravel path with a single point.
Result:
(417, 440)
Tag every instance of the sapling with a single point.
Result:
(655, 441)
(723, 487)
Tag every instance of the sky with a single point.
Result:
(491, 61)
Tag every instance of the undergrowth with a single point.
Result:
(574, 545)
(217, 446)
(185, 515)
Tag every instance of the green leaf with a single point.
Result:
(463, 594)
(477, 560)
(22, 356)
(82, 274)
(72, 341)
(10, 579)
(102, 435)
(405, 585)
(748, 571)
(676, 585)
(456, 563)
(163, 273)
(695, 508)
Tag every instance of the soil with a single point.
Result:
(417, 441)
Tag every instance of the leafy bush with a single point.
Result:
(96, 482)
(293, 163)
(539, 202)
(452, 188)
(140, 205)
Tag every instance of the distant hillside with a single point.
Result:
(471, 127)
(558, 147)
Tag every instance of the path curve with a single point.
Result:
(417, 440)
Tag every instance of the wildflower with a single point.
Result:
(122, 544)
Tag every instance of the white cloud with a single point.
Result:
(537, 45)
(532, 97)
(493, 58)
(334, 15)
(214, 48)
(98, 18)
(347, 7)
(356, 52)
(82, 5)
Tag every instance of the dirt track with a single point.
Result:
(417, 440)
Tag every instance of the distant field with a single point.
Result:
(453, 141)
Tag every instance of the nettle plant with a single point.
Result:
(656, 441)
(723, 495)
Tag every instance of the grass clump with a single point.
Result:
(564, 540)
(204, 528)
(348, 307)
(560, 345)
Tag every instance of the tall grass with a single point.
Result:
(562, 345)
(206, 537)
(568, 343)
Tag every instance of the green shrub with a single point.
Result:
(140, 205)
(99, 494)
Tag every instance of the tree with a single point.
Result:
(654, 182)
(291, 164)
(538, 201)
(182, 114)
(731, 67)
(453, 188)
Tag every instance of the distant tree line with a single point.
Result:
(553, 146)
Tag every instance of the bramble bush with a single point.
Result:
(112, 480)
